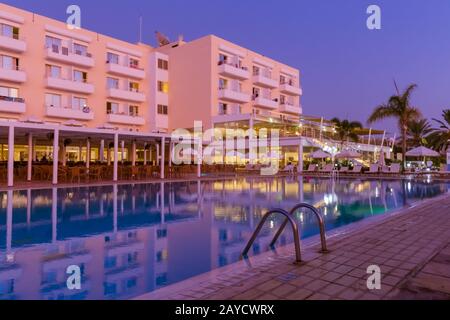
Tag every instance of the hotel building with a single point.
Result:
(76, 95)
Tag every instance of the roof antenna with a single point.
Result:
(140, 29)
(396, 87)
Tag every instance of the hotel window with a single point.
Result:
(163, 110)
(223, 83)
(134, 86)
(113, 83)
(163, 86)
(133, 111)
(53, 100)
(112, 108)
(134, 63)
(223, 108)
(163, 64)
(9, 92)
(112, 58)
(79, 76)
(80, 49)
(79, 103)
(9, 63)
(54, 43)
(53, 71)
(9, 31)
(282, 99)
(256, 70)
(256, 93)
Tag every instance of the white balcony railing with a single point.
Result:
(64, 54)
(234, 71)
(291, 89)
(126, 119)
(290, 108)
(265, 102)
(126, 95)
(12, 105)
(128, 71)
(13, 75)
(233, 95)
(70, 85)
(70, 113)
(12, 44)
(265, 81)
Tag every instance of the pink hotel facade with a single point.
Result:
(81, 83)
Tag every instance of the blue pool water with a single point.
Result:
(132, 239)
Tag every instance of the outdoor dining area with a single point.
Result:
(35, 152)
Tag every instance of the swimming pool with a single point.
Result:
(132, 239)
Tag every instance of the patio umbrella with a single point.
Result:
(422, 152)
(320, 154)
(348, 154)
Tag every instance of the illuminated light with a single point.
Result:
(10, 257)
(272, 224)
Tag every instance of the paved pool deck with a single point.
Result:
(411, 247)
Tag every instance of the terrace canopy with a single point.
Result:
(320, 154)
(348, 154)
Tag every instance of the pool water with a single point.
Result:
(129, 240)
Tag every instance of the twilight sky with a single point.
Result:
(346, 68)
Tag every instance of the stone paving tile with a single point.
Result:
(412, 249)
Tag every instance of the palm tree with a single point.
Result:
(418, 131)
(398, 107)
(346, 130)
(440, 137)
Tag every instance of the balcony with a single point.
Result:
(233, 71)
(126, 119)
(63, 54)
(12, 105)
(289, 88)
(70, 85)
(12, 44)
(265, 102)
(127, 71)
(265, 81)
(126, 95)
(290, 108)
(13, 75)
(234, 96)
(70, 113)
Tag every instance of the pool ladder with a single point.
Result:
(289, 219)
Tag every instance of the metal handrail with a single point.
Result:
(323, 239)
(289, 219)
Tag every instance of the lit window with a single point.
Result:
(134, 87)
(223, 108)
(134, 111)
(163, 86)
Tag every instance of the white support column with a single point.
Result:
(171, 154)
(63, 155)
(116, 157)
(34, 150)
(123, 151)
(88, 153)
(150, 154)
(102, 151)
(133, 153)
(55, 156)
(30, 156)
(252, 144)
(108, 156)
(80, 153)
(300, 157)
(145, 154)
(158, 156)
(11, 156)
(163, 156)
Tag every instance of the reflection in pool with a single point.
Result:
(133, 239)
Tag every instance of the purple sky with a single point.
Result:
(346, 69)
